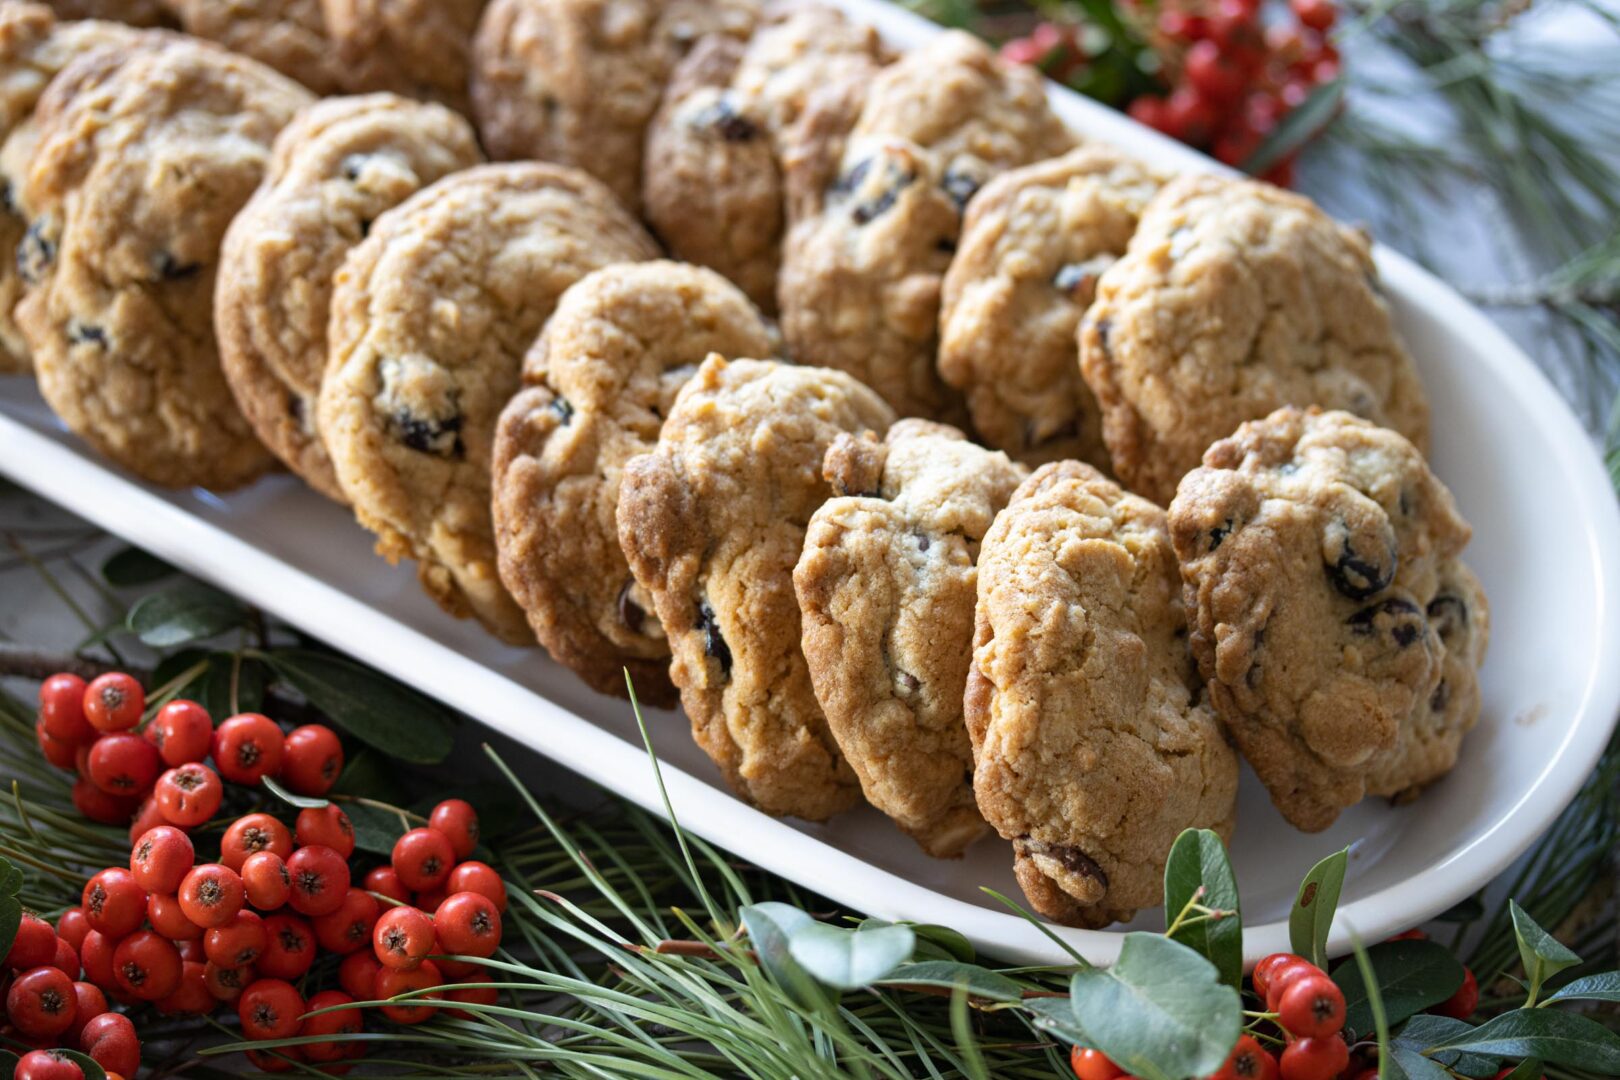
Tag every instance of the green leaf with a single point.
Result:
(1198, 860)
(981, 982)
(1528, 1069)
(1160, 1012)
(370, 774)
(849, 959)
(131, 566)
(1563, 1038)
(375, 829)
(11, 879)
(372, 707)
(92, 1069)
(769, 927)
(1542, 954)
(1465, 910)
(1312, 915)
(1055, 1016)
(1298, 127)
(1604, 986)
(303, 802)
(1411, 975)
(1414, 1066)
(190, 611)
(936, 942)
(8, 1063)
(10, 919)
(1426, 1030)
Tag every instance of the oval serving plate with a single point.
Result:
(1546, 544)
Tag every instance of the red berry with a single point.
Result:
(266, 881)
(327, 826)
(1188, 115)
(59, 754)
(289, 949)
(251, 834)
(453, 970)
(1089, 1064)
(1283, 976)
(311, 759)
(471, 995)
(1212, 72)
(1314, 1059)
(114, 902)
(114, 702)
(320, 880)
(357, 974)
(47, 1065)
(192, 996)
(392, 982)
(66, 959)
(1147, 109)
(189, 794)
(423, 858)
(481, 878)
(168, 918)
(458, 821)
(147, 816)
(110, 1041)
(147, 966)
(341, 1022)
(238, 942)
(385, 880)
(1319, 15)
(467, 924)
(88, 1003)
(96, 954)
(349, 927)
(429, 900)
(211, 895)
(190, 948)
(124, 764)
(182, 732)
(1180, 26)
(227, 983)
(247, 748)
(270, 1009)
(1021, 51)
(1312, 1008)
(1234, 147)
(34, 944)
(1248, 1061)
(1461, 1005)
(71, 926)
(98, 806)
(160, 859)
(402, 937)
(41, 1001)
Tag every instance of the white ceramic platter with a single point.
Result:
(1546, 544)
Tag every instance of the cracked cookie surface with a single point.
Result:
(335, 169)
(417, 48)
(864, 256)
(597, 387)
(144, 155)
(1235, 298)
(288, 35)
(1034, 242)
(886, 587)
(431, 316)
(712, 523)
(576, 81)
(1324, 595)
(1093, 748)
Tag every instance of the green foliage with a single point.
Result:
(848, 959)
(1548, 1034)
(130, 566)
(1311, 917)
(11, 911)
(373, 708)
(1198, 871)
(183, 613)
(1409, 976)
(1541, 954)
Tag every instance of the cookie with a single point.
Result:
(417, 48)
(34, 46)
(1234, 298)
(288, 35)
(712, 178)
(147, 13)
(337, 167)
(1033, 244)
(144, 155)
(863, 260)
(1094, 748)
(576, 81)
(886, 585)
(1324, 595)
(712, 522)
(431, 316)
(597, 387)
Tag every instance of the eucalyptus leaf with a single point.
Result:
(1160, 1012)
(1311, 917)
(1564, 1038)
(303, 802)
(131, 566)
(372, 707)
(981, 982)
(187, 612)
(1411, 975)
(935, 942)
(1055, 1016)
(1604, 986)
(849, 959)
(1542, 954)
(769, 927)
(1198, 860)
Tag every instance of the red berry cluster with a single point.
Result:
(159, 776)
(47, 1005)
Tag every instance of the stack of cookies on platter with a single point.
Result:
(926, 454)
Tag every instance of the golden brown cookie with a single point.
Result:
(1234, 298)
(1034, 242)
(1325, 599)
(431, 316)
(1094, 748)
(417, 48)
(886, 586)
(144, 154)
(712, 522)
(576, 81)
(335, 169)
(147, 13)
(597, 387)
(862, 264)
(288, 35)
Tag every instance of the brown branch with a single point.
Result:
(30, 663)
